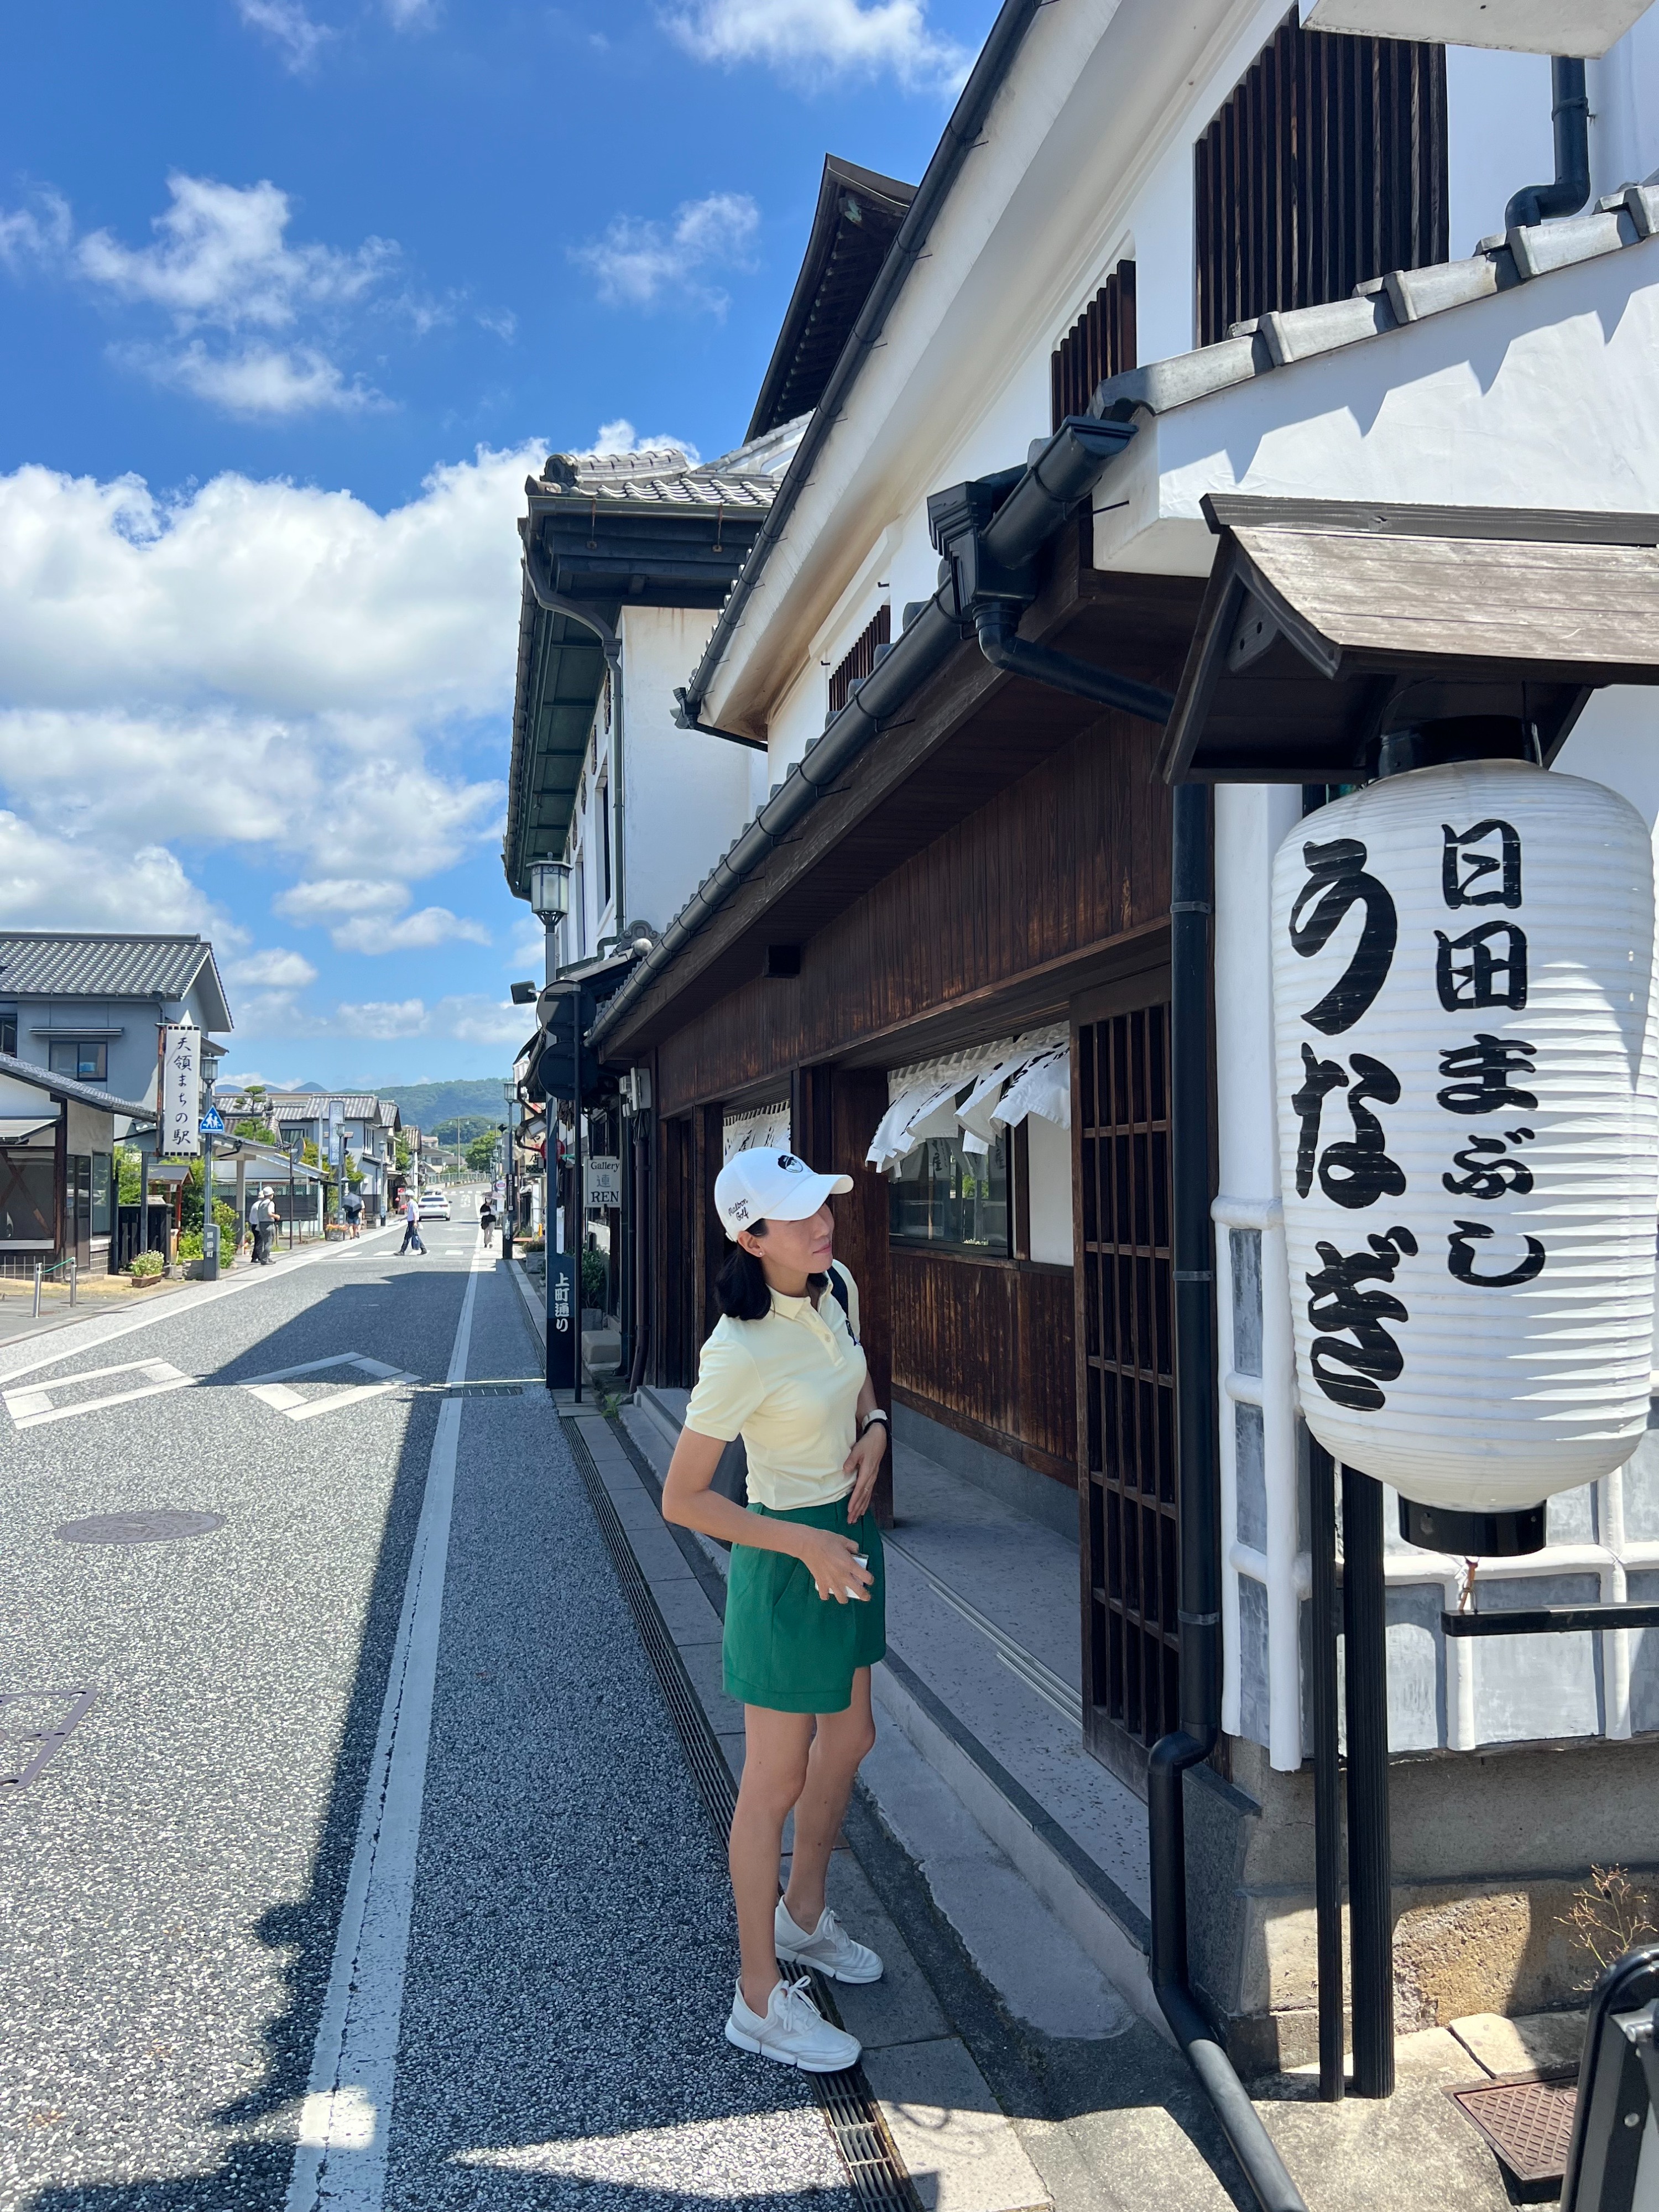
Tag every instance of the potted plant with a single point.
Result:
(144, 1268)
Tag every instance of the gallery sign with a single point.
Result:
(1468, 1116)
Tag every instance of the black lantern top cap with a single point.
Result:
(1329, 626)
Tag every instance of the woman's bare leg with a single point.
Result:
(841, 1742)
(774, 1772)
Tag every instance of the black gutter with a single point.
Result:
(960, 136)
(1570, 115)
(1199, 1503)
(1063, 469)
(685, 718)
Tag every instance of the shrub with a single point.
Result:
(596, 1277)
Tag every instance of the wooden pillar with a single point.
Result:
(62, 1226)
(711, 1158)
(854, 1101)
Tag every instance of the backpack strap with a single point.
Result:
(838, 1290)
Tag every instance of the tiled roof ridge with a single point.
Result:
(101, 937)
(1285, 336)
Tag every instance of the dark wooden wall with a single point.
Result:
(986, 1347)
(1074, 853)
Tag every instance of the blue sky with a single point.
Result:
(294, 291)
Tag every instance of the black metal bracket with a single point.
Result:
(1550, 1619)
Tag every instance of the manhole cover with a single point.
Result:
(1528, 2124)
(146, 1524)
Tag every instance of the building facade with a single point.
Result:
(1171, 278)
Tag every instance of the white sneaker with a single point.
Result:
(793, 2032)
(828, 1948)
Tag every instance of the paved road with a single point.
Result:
(375, 1838)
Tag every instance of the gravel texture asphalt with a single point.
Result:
(171, 1884)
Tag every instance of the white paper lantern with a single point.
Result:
(1468, 1114)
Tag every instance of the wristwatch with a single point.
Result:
(874, 1415)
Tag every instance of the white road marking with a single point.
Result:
(345, 2122)
(273, 1389)
(33, 1408)
(99, 1329)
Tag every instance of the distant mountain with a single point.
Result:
(429, 1105)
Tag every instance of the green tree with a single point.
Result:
(481, 1153)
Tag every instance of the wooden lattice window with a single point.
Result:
(856, 665)
(1099, 344)
(1327, 166)
(1127, 1385)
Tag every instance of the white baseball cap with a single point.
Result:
(761, 1186)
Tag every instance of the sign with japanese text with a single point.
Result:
(1469, 1117)
(179, 1091)
(602, 1176)
(563, 1322)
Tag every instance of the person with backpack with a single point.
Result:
(262, 1220)
(805, 1603)
(352, 1207)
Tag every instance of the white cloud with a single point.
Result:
(222, 257)
(814, 40)
(276, 969)
(47, 883)
(349, 894)
(265, 670)
(620, 437)
(384, 1017)
(286, 23)
(411, 15)
(222, 261)
(414, 932)
(640, 262)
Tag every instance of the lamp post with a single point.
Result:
(550, 901)
(509, 1179)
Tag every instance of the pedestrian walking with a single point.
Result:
(805, 1603)
(352, 1207)
(262, 1220)
(411, 1225)
(487, 1220)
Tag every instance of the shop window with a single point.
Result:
(947, 1196)
(28, 1198)
(86, 1062)
(1328, 164)
(102, 1222)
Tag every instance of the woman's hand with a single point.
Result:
(832, 1563)
(863, 1463)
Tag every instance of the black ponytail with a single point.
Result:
(741, 1290)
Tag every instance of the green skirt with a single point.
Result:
(786, 1648)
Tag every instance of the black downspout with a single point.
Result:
(1570, 115)
(641, 1247)
(1199, 1505)
(997, 623)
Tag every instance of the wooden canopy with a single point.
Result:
(1328, 624)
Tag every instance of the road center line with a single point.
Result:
(345, 2121)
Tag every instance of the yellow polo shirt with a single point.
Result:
(789, 1386)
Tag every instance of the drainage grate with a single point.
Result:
(34, 1725)
(513, 1387)
(1528, 2124)
(144, 1524)
(873, 2167)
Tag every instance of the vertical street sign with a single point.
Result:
(564, 1335)
(179, 1090)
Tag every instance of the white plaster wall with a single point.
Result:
(1623, 97)
(1048, 1165)
(1499, 136)
(685, 797)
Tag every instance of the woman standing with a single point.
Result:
(805, 1615)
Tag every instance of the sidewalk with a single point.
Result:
(1018, 1886)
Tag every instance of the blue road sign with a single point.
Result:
(212, 1123)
